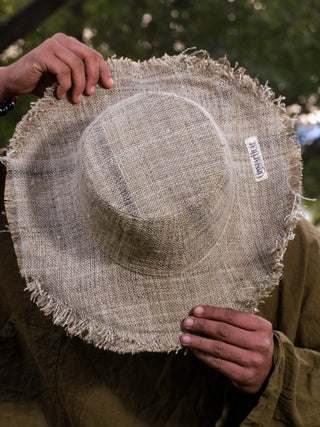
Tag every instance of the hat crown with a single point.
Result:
(154, 182)
(109, 209)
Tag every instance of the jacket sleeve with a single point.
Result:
(291, 394)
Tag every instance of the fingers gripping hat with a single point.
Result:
(177, 187)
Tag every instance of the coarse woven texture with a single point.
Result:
(180, 186)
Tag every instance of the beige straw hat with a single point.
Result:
(180, 186)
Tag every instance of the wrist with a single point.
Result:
(7, 91)
(7, 98)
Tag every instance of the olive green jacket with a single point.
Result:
(49, 379)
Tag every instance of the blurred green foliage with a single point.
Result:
(278, 41)
(10, 7)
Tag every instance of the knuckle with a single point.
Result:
(252, 378)
(223, 330)
(91, 54)
(93, 75)
(49, 43)
(267, 326)
(218, 348)
(59, 36)
(248, 378)
(243, 359)
(34, 64)
(217, 363)
(263, 345)
(257, 361)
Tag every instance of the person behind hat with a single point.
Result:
(272, 382)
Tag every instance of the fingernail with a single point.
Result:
(92, 89)
(185, 339)
(111, 82)
(188, 321)
(79, 97)
(63, 95)
(198, 311)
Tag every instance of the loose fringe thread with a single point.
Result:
(290, 222)
(76, 325)
(200, 62)
(83, 328)
(22, 129)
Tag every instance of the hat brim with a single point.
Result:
(65, 268)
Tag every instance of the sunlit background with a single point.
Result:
(277, 41)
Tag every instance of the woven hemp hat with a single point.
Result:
(178, 187)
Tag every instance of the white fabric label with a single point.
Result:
(257, 163)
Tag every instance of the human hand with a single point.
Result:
(237, 344)
(61, 59)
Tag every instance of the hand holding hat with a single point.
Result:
(60, 58)
(237, 344)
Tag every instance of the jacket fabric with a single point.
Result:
(50, 379)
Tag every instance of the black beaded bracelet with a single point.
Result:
(6, 106)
